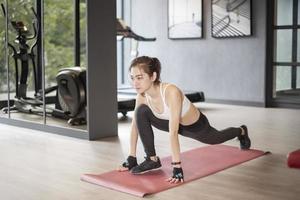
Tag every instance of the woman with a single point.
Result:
(165, 107)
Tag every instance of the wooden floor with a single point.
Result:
(40, 166)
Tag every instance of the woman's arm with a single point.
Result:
(133, 135)
(134, 132)
(174, 101)
(133, 138)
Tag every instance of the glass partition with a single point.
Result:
(65, 99)
(82, 17)
(298, 45)
(3, 69)
(66, 105)
(284, 12)
(285, 63)
(26, 101)
(298, 77)
(283, 78)
(283, 45)
(298, 13)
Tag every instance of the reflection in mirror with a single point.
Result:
(3, 69)
(22, 38)
(68, 81)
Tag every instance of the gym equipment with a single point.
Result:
(124, 31)
(24, 53)
(72, 85)
(71, 95)
(293, 159)
(196, 163)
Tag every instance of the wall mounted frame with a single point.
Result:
(185, 19)
(231, 18)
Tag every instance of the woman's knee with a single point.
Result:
(142, 110)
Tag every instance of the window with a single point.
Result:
(58, 37)
(286, 52)
(283, 45)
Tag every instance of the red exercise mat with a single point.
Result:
(196, 163)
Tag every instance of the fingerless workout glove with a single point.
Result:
(177, 173)
(130, 162)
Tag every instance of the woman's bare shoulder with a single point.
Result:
(172, 89)
(140, 99)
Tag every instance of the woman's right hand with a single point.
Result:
(128, 164)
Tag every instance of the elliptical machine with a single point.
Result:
(70, 97)
(23, 54)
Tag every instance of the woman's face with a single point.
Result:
(140, 80)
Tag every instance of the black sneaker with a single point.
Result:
(245, 142)
(147, 165)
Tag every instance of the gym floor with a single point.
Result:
(35, 165)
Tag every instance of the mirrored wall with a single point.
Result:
(3, 70)
(40, 76)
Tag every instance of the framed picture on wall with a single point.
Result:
(184, 19)
(231, 18)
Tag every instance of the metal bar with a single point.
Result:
(43, 61)
(77, 32)
(287, 63)
(294, 26)
(7, 57)
(269, 54)
(38, 49)
(294, 45)
(122, 49)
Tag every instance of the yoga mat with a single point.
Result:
(196, 163)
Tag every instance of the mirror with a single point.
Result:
(64, 78)
(26, 102)
(3, 69)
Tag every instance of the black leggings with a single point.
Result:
(200, 130)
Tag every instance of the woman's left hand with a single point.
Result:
(177, 176)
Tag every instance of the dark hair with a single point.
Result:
(149, 65)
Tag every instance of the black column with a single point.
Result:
(101, 69)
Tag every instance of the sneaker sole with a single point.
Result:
(147, 171)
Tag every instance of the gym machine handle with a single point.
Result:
(3, 9)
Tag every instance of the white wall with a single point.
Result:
(227, 70)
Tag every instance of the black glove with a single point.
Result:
(130, 162)
(178, 173)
